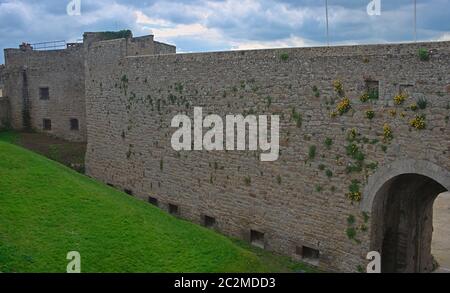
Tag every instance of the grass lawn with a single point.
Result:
(47, 210)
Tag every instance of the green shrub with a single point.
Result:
(370, 114)
(422, 103)
(424, 54)
(312, 152)
(328, 143)
(297, 117)
(351, 220)
(351, 233)
(284, 56)
(111, 35)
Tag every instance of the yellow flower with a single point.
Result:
(400, 98)
(370, 114)
(364, 97)
(354, 196)
(343, 106)
(338, 87)
(387, 132)
(418, 122)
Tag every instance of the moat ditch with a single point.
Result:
(70, 154)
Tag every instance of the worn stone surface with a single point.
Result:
(63, 72)
(130, 102)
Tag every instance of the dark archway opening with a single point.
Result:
(403, 223)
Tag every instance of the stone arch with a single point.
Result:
(399, 198)
(400, 167)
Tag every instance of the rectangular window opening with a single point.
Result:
(373, 88)
(208, 221)
(173, 209)
(74, 124)
(44, 93)
(47, 124)
(153, 201)
(257, 238)
(308, 254)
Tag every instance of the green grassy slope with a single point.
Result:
(47, 210)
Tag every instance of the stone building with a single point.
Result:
(364, 137)
(46, 88)
(4, 103)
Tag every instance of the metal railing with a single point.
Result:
(52, 45)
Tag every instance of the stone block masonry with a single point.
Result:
(342, 129)
(46, 89)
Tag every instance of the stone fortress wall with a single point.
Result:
(299, 205)
(47, 85)
(46, 88)
(4, 103)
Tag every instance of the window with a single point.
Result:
(153, 201)
(47, 124)
(208, 221)
(308, 254)
(373, 88)
(257, 238)
(128, 191)
(173, 209)
(44, 93)
(74, 124)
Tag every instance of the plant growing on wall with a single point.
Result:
(312, 152)
(343, 106)
(269, 101)
(400, 98)
(316, 91)
(369, 95)
(297, 117)
(387, 133)
(424, 54)
(413, 107)
(354, 193)
(418, 122)
(370, 114)
(284, 56)
(338, 87)
(328, 143)
(422, 103)
(111, 35)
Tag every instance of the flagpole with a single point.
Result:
(328, 32)
(415, 21)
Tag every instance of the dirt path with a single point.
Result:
(440, 247)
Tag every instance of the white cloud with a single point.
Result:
(444, 37)
(293, 41)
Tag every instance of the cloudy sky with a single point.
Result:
(210, 25)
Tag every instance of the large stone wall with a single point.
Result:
(4, 113)
(62, 71)
(294, 201)
(2, 78)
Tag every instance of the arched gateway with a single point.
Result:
(400, 199)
